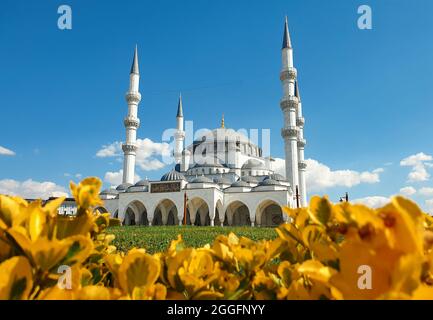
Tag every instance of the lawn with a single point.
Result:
(157, 238)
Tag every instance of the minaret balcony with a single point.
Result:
(131, 122)
(129, 148)
(133, 97)
(302, 165)
(302, 143)
(290, 102)
(300, 122)
(289, 74)
(290, 132)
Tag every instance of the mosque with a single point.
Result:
(221, 179)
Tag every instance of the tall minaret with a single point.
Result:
(179, 135)
(131, 122)
(302, 166)
(289, 105)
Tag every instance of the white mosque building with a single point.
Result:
(220, 179)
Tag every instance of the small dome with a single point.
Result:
(269, 182)
(240, 183)
(123, 186)
(221, 180)
(275, 176)
(250, 179)
(202, 179)
(173, 176)
(109, 192)
(253, 164)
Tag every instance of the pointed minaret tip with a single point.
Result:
(222, 122)
(134, 66)
(286, 38)
(179, 107)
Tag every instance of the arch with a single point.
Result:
(116, 214)
(199, 210)
(269, 214)
(166, 213)
(238, 214)
(136, 213)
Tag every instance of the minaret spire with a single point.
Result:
(134, 66)
(131, 122)
(222, 122)
(179, 107)
(286, 37)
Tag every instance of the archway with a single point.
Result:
(200, 210)
(269, 214)
(238, 214)
(129, 218)
(136, 214)
(165, 213)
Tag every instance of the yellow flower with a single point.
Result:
(16, 279)
(86, 193)
(138, 269)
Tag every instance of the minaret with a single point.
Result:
(179, 135)
(131, 122)
(302, 166)
(289, 105)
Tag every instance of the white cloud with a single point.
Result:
(417, 162)
(111, 150)
(115, 178)
(426, 191)
(408, 191)
(148, 157)
(373, 202)
(30, 189)
(6, 152)
(321, 177)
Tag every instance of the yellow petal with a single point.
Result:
(15, 279)
(138, 270)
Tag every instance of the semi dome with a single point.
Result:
(275, 176)
(173, 176)
(269, 182)
(202, 179)
(123, 186)
(221, 180)
(249, 179)
(240, 183)
(142, 183)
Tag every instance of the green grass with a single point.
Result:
(157, 238)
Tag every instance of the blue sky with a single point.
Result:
(366, 94)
